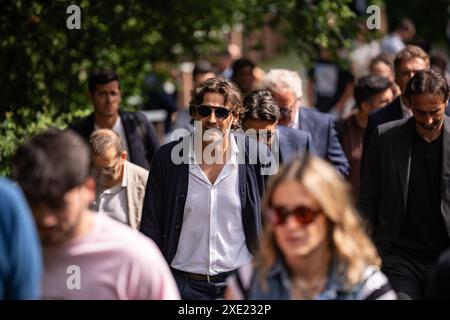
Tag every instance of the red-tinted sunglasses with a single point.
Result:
(304, 215)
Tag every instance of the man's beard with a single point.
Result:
(433, 126)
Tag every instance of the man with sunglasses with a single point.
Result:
(205, 213)
(120, 183)
(286, 88)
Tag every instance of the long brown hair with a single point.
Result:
(349, 242)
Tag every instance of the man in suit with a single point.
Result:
(407, 63)
(286, 88)
(405, 187)
(120, 184)
(261, 118)
(202, 205)
(139, 138)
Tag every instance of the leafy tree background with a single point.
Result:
(44, 65)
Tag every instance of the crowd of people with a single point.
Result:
(251, 194)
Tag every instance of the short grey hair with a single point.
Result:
(279, 80)
(103, 139)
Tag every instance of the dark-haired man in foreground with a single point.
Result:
(405, 186)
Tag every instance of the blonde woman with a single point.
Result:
(313, 245)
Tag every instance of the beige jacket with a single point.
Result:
(136, 184)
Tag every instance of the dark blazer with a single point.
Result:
(141, 136)
(385, 180)
(324, 137)
(391, 112)
(293, 143)
(165, 197)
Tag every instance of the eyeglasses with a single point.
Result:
(205, 111)
(109, 170)
(304, 215)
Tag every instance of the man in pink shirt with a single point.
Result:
(86, 255)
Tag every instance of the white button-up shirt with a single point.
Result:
(114, 201)
(212, 238)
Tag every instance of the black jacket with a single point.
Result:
(385, 180)
(141, 136)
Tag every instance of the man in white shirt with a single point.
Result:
(120, 184)
(205, 213)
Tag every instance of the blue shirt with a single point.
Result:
(20, 251)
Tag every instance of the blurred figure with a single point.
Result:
(223, 65)
(439, 63)
(363, 51)
(202, 71)
(382, 65)
(120, 184)
(329, 85)
(371, 93)
(86, 255)
(313, 245)
(261, 118)
(243, 75)
(159, 92)
(438, 287)
(138, 135)
(286, 88)
(403, 32)
(20, 250)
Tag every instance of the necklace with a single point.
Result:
(308, 293)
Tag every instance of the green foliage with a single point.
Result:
(45, 65)
(24, 122)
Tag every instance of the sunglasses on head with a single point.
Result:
(303, 215)
(205, 111)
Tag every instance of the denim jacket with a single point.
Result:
(280, 287)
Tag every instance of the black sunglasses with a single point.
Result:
(205, 111)
(304, 215)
